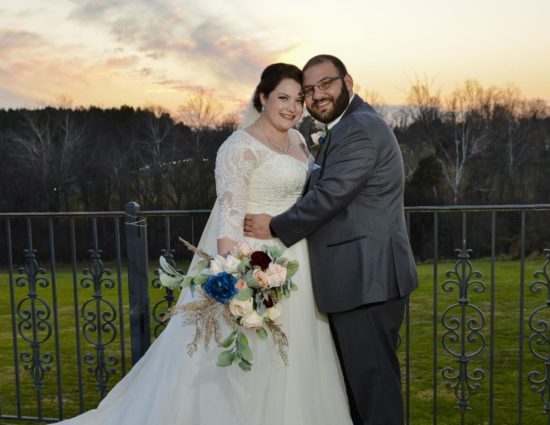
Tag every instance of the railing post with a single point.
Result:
(138, 281)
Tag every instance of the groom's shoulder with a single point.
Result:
(362, 116)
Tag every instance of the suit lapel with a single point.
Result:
(321, 156)
(355, 103)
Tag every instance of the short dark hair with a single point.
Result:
(319, 59)
(272, 76)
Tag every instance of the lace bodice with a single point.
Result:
(253, 178)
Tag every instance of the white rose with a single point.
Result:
(217, 265)
(231, 264)
(276, 275)
(253, 320)
(241, 308)
(224, 264)
(274, 312)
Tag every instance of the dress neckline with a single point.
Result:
(304, 163)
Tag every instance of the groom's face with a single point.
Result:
(325, 105)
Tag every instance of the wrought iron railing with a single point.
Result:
(80, 304)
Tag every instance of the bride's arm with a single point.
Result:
(234, 164)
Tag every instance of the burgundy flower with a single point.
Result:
(261, 259)
(269, 302)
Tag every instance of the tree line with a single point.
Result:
(476, 145)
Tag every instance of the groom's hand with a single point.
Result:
(257, 226)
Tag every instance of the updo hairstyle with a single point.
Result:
(271, 77)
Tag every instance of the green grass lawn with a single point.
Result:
(421, 343)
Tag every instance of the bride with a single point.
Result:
(260, 168)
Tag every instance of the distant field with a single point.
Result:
(506, 348)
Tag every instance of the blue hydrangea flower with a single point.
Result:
(221, 287)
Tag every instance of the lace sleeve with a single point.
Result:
(234, 164)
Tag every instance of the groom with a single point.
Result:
(361, 261)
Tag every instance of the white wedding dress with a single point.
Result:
(167, 387)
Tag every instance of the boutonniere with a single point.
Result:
(319, 137)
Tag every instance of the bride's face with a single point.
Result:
(284, 105)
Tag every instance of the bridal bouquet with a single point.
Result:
(244, 288)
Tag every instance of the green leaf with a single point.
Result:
(242, 339)
(278, 292)
(261, 308)
(187, 282)
(253, 283)
(245, 352)
(226, 358)
(261, 333)
(227, 342)
(241, 268)
(275, 251)
(170, 281)
(293, 287)
(244, 294)
(292, 268)
(167, 268)
(201, 265)
(244, 365)
(200, 279)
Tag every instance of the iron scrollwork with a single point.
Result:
(463, 337)
(99, 316)
(539, 339)
(34, 315)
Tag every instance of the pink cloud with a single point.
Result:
(121, 61)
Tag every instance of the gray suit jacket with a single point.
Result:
(353, 216)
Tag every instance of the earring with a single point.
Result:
(263, 107)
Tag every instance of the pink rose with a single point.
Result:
(261, 277)
(241, 250)
(241, 284)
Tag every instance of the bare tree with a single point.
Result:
(468, 110)
(375, 100)
(229, 122)
(456, 127)
(506, 113)
(48, 146)
(154, 161)
(200, 111)
(157, 127)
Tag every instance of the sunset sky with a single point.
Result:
(142, 52)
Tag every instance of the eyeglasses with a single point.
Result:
(323, 85)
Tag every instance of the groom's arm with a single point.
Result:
(348, 167)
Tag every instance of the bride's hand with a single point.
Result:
(257, 226)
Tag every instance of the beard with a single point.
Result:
(339, 106)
